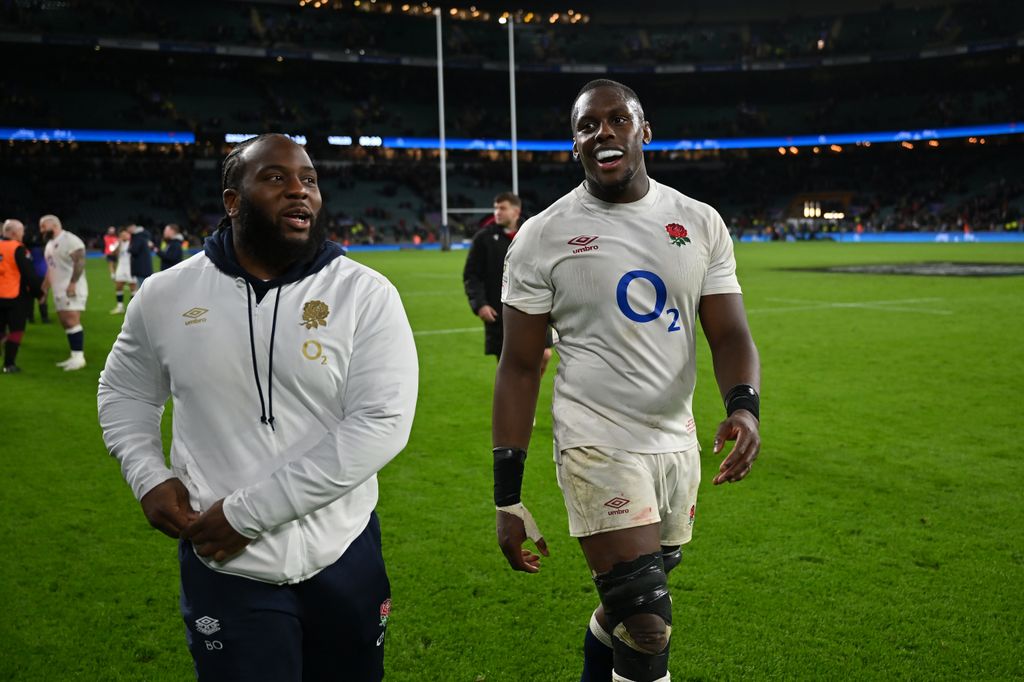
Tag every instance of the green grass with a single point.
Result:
(879, 537)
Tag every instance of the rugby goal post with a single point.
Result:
(445, 232)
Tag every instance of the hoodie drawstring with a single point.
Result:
(270, 364)
(264, 417)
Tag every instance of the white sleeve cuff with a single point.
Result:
(240, 517)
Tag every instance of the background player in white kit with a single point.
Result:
(65, 274)
(621, 267)
(123, 271)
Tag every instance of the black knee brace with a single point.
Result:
(672, 556)
(631, 588)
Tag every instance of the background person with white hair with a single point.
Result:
(18, 284)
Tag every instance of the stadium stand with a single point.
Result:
(213, 68)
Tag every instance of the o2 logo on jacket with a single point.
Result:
(660, 299)
(312, 350)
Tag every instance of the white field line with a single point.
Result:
(889, 306)
(434, 275)
(435, 332)
(453, 294)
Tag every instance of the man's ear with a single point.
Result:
(231, 198)
(575, 152)
(648, 135)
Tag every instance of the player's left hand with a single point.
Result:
(742, 427)
(213, 536)
(71, 290)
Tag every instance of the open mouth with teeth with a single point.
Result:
(608, 158)
(298, 219)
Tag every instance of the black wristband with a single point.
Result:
(509, 464)
(743, 397)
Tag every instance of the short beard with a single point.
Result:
(262, 238)
(619, 187)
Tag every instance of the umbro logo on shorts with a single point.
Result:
(617, 505)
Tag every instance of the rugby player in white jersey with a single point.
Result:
(65, 274)
(622, 267)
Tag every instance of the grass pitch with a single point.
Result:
(879, 536)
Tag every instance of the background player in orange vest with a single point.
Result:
(18, 286)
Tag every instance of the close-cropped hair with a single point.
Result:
(510, 198)
(50, 218)
(627, 92)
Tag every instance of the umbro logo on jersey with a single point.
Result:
(195, 315)
(585, 242)
(207, 625)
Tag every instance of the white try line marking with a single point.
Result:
(896, 305)
(435, 332)
(413, 294)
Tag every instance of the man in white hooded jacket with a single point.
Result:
(293, 375)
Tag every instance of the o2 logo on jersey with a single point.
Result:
(660, 299)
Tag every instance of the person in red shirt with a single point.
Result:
(110, 241)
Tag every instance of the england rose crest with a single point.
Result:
(677, 233)
(385, 611)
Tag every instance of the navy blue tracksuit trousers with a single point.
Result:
(329, 627)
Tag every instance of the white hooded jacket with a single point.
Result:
(285, 406)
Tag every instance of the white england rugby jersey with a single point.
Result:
(59, 265)
(622, 283)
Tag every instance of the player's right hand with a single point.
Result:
(487, 314)
(167, 507)
(511, 531)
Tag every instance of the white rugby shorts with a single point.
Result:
(62, 302)
(607, 489)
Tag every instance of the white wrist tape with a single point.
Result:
(522, 512)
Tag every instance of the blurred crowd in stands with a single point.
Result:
(381, 195)
(663, 33)
(388, 198)
(210, 96)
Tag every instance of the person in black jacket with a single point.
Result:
(172, 252)
(481, 276)
(141, 248)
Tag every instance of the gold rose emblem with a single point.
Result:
(314, 314)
